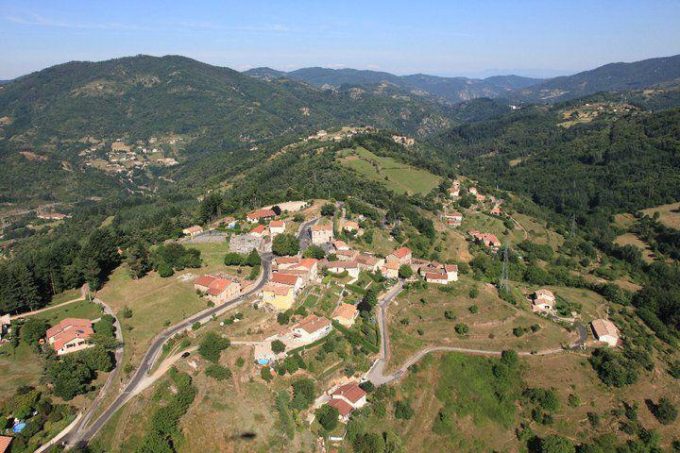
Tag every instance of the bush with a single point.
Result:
(283, 317)
(304, 393)
(33, 330)
(448, 314)
(462, 329)
(403, 410)
(328, 210)
(314, 251)
(266, 374)
(218, 372)
(474, 309)
(125, 312)
(164, 270)
(474, 292)
(613, 368)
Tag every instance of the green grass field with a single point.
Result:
(397, 176)
(18, 366)
(82, 309)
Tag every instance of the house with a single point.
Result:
(451, 271)
(51, 216)
(192, 231)
(312, 328)
(488, 239)
(218, 289)
(605, 331)
(5, 441)
(454, 219)
(544, 301)
(322, 233)
(472, 190)
(402, 255)
(391, 269)
(306, 268)
(351, 227)
(280, 297)
(344, 409)
(338, 267)
(347, 255)
(479, 197)
(70, 335)
(346, 398)
(369, 262)
(311, 265)
(340, 245)
(287, 279)
(5, 325)
(259, 231)
(454, 190)
(345, 314)
(496, 210)
(277, 227)
(436, 277)
(255, 216)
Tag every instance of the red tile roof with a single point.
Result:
(204, 280)
(284, 279)
(401, 252)
(312, 323)
(4, 443)
(345, 311)
(351, 391)
(218, 286)
(277, 224)
(258, 229)
(68, 330)
(261, 213)
(344, 409)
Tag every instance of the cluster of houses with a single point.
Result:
(124, 158)
(431, 272)
(454, 219)
(290, 274)
(543, 301)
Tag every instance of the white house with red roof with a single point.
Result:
(488, 239)
(453, 218)
(258, 231)
(312, 328)
(338, 267)
(402, 255)
(322, 233)
(70, 335)
(277, 227)
(346, 314)
(543, 301)
(347, 398)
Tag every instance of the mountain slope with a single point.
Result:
(449, 89)
(70, 114)
(610, 77)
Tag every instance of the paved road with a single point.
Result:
(304, 233)
(377, 372)
(87, 433)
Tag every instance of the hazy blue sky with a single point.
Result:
(474, 38)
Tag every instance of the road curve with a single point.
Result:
(87, 433)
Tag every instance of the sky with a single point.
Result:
(470, 38)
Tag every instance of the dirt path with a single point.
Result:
(42, 310)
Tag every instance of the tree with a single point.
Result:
(253, 258)
(69, 377)
(165, 270)
(405, 271)
(266, 374)
(462, 329)
(327, 417)
(233, 259)
(665, 411)
(138, 261)
(314, 251)
(218, 372)
(369, 443)
(278, 346)
(33, 330)
(285, 244)
(328, 210)
(212, 346)
(211, 207)
(304, 392)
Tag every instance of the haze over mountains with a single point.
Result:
(610, 77)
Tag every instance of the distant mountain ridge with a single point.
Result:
(450, 89)
(611, 77)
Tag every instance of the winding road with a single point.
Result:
(81, 433)
(376, 374)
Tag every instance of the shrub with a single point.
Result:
(403, 410)
(405, 271)
(462, 329)
(164, 270)
(448, 314)
(474, 309)
(218, 372)
(474, 292)
(125, 312)
(266, 374)
(304, 393)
